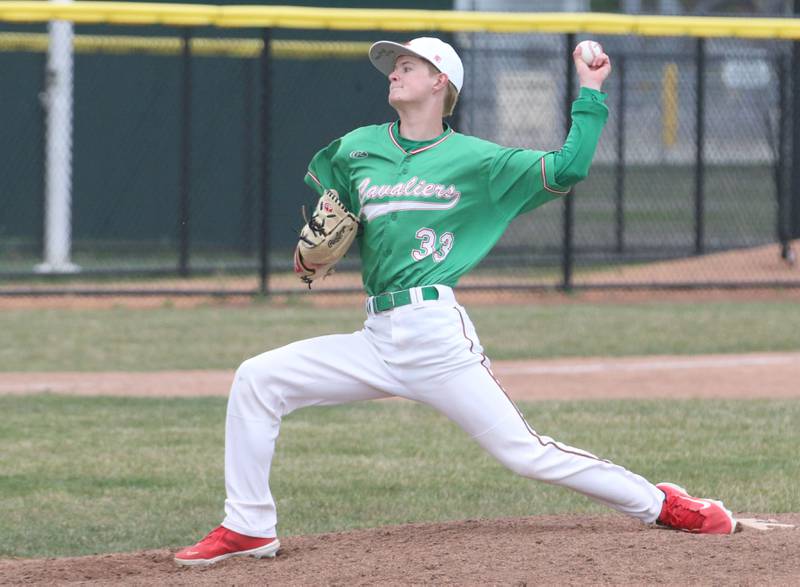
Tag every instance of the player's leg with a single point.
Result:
(458, 382)
(471, 396)
(489, 416)
(437, 350)
(474, 400)
(326, 370)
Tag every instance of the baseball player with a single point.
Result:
(425, 205)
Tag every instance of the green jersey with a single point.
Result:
(432, 210)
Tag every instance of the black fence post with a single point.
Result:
(782, 216)
(569, 207)
(264, 130)
(186, 153)
(246, 238)
(43, 97)
(699, 169)
(620, 170)
(793, 210)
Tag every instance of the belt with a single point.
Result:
(395, 299)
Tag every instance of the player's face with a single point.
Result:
(411, 81)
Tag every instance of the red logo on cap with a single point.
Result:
(437, 58)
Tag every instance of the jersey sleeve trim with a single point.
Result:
(315, 179)
(550, 186)
(313, 182)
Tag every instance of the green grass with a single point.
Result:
(220, 337)
(86, 475)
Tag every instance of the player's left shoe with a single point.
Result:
(694, 514)
(222, 543)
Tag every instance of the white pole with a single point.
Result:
(58, 155)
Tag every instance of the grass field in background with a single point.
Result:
(221, 337)
(92, 475)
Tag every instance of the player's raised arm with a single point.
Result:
(569, 165)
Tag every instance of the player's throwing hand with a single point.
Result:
(591, 75)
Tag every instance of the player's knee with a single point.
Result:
(247, 369)
(253, 389)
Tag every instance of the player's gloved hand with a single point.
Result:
(325, 238)
(308, 272)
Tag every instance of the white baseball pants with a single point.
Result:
(426, 351)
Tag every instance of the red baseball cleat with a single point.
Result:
(694, 514)
(222, 543)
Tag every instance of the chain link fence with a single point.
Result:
(688, 186)
(189, 149)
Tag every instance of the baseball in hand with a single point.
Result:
(590, 50)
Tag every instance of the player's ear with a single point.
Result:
(441, 81)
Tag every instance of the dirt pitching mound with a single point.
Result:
(565, 550)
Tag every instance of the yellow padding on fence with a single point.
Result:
(204, 47)
(398, 20)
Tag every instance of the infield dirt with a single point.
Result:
(560, 550)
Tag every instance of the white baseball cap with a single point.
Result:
(441, 55)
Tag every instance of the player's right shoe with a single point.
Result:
(693, 514)
(222, 543)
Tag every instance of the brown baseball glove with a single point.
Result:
(325, 238)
